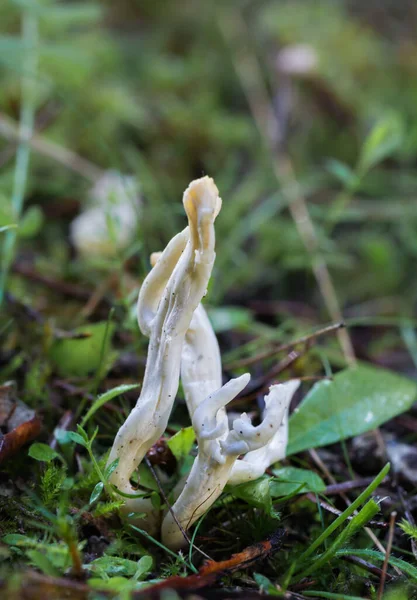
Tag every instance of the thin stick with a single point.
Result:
(62, 287)
(346, 486)
(334, 511)
(32, 314)
(235, 33)
(67, 158)
(180, 527)
(364, 564)
(299, 212)
(387, 554)
(264, 382)
(65, 424)
(244, 362)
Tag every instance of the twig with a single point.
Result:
(33, 315)
(364, 564)
(235, 33)
(73, 390)
(264, 382)
(335, 511)
(37, 585)
(299, 212)
(387, 555)
(311, 337)
(346, 486)
(209, 572)
(64, 423)
(62, 287)
(280, 367)
(71, 160)
(44, 117)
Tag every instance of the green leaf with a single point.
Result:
(62, 436)
(265, 585)
(42, 562)
(144, 566)
(383, 140)
(16, 539)
(82, 357)
(110, 566)
(97, 491)
(106, 397)
(42, 452)
(146, 478)
(256, 493)
(181, 443)
(77, 438)
(82, 432)
(31, 222)
(67, 484)
(229, 317)
(343, 173)
(111, 468)
(357, 400)
(156, 500)
(293, 480)
(117, 584)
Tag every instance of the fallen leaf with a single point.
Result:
(20, 423)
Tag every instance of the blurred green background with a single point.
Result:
(240, 90)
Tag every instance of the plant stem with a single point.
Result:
(27, 117)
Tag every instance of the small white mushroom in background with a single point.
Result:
(297, 60)
(167, 327)
(110, 221)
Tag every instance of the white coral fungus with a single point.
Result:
(182, 340)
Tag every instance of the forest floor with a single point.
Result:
(304, 115)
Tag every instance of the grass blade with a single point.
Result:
(346, 513)
(358, 522)
(27, 118)
(404, 566)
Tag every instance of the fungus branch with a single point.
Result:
(255, 463)
(185, 287)
(218, 451)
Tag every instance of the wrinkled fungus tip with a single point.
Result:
(202, 197)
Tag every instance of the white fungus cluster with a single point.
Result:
(109, 223)
(182, 342)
